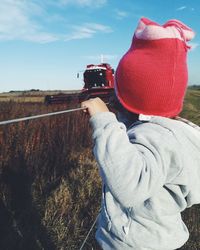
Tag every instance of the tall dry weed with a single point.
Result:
(43, 167)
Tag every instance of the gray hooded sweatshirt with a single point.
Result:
(150, 174)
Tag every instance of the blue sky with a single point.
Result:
(43, 44)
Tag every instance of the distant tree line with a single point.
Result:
(31, 90)
(197, 87)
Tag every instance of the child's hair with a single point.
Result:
(152, 76)
(115, 103)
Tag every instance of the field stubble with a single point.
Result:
(50, 189)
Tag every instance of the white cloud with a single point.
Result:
(119, 14)
(194, 45)
(87, 31)
(106, 57)
(184, 8)
(181, 8)
(81, 3)
(18, 21)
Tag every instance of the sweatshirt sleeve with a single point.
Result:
(132, 171)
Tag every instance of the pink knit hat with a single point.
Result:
(152, 76)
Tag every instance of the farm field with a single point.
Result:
(50, 190)
(34, 96)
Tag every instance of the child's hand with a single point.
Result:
(93, 106)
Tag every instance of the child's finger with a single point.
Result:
(85, 107)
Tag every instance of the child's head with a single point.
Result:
(151, 77)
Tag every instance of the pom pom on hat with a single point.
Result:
(151, 78)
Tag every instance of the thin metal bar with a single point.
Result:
(88, 234)
(39, 116)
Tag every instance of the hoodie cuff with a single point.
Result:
(100, 120)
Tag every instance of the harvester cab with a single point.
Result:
(96, 76)
(98, 81)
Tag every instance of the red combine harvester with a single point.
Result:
(98, 82)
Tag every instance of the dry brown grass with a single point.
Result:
(22, 99)
(48, 179)
(50, 189)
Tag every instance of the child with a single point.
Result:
(150, 168)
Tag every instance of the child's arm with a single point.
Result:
(133, 172)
